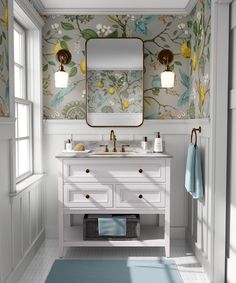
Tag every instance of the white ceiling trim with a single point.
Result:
(38, 6)
(83, 11)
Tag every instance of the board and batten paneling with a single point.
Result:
(21, 214)
(199, 223)
(176, 135)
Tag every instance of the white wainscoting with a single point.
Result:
(21, 215)
(199, 225)
(176, 135)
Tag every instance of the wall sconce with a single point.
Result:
(165, 57)
(61, 76)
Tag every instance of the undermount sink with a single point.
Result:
(102, 153)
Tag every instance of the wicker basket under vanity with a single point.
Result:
(90, 227)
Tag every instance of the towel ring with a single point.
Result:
(194, 131)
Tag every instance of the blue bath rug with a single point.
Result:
(114, 271)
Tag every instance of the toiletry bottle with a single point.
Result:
(158, 144)
(144, 143)
(68, 145)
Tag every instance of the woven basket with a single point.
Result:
(90, 227)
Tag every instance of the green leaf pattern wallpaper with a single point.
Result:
(4, 73)
(182, 34)
(200, 26)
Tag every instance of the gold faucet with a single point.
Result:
(113, 138)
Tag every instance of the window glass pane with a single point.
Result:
(17, 161)
(16, 116)
(23, 155)
(23, 120)
(18, 75)
(18, 47)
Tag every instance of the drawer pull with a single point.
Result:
(87, 171)
(140, 196)
(140, 170)
(87, 196)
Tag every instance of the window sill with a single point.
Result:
(28, 182)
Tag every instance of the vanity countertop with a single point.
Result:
(65, 155)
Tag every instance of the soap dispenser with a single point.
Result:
(144, 144)
(158, 143)
(69, 145)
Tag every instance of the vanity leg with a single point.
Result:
(167, 211)
(60, 213)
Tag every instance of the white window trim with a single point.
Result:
(30, 137)
(26, 15)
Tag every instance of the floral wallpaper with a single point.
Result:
(115, 91)
(4, 74)
(177, 33)
(200, 27)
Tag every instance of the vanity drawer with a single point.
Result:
(88, 195)
(92, 170)
(140, 195)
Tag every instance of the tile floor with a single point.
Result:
(189, 268)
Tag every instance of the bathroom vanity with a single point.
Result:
(114, 183)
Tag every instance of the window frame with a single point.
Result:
(23, 101)
(21, 30)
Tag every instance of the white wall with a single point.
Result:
(231, 261)
(175, 133)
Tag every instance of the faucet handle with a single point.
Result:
(106, 147)
(123, 147)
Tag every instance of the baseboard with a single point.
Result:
(201, 257)
(18, 271)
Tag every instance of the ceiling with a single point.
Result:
(112, 6)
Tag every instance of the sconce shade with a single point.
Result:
(167, 79)
(61, 76)
(61, 79)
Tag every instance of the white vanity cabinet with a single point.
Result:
(122, 185)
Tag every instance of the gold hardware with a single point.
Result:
(123, 147)
(106, 147)
(113, 138)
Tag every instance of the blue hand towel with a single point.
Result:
(112, 226)
(189, 173)
(193, 174)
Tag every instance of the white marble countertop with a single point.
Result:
(96, 154)
(93, 150)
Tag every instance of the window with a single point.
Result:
(23, 107)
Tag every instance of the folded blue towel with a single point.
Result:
(193, 174)
(112, 226)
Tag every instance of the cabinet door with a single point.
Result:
(88, 195)
(140, 195)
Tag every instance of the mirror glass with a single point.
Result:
(114, 79)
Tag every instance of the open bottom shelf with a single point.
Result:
(151, 236)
